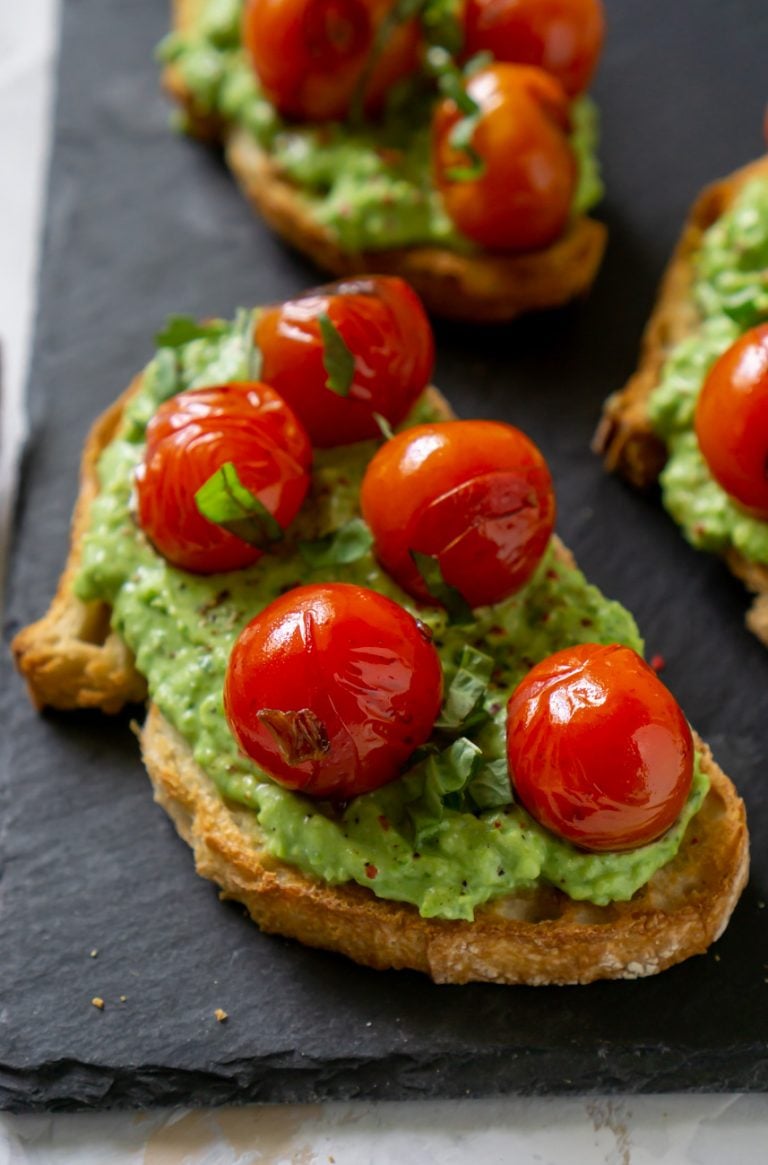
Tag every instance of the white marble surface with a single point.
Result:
(672, 1130)
(27, 45)
(669, 1130)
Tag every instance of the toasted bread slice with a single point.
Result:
(483, 288)
(624, 436)
(71, 659)
(535, 938)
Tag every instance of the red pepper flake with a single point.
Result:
(552, 575)
(586, 622)
(694, 841)
(658, 662)
(497, 825)
(384, 822)
(370, 870)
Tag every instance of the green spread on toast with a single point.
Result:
(731, 294)
(446, 836)
(371, 187)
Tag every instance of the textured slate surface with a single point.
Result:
(141, 224)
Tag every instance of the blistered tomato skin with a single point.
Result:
(564, 37)
(732, 421)
(599, 751)
(331, 688)
(311, 56)
(521, 198)
(384, 326)
(253, 402)
(476, 495)
(190, 437)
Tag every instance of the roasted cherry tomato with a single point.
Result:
(250, 400)
(513, 188)
(193, 435)
(732, 421)
(331, 688)
(382, 325)
(312, 56)
(564, 37)
(474, 495)
(599, 751)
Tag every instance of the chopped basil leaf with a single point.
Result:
(347, 544)
(460, 139)
(386, 429)
(338, 361)
(224, 499)
(459, 611)
(437, 783)
(179, 330)
(167, 380)
(245, 324)
(489, 787)
(463, 706)
(452, 83)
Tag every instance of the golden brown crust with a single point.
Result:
(483, 288)
(624, 437)
(542, 937)
(71, 658)
(535, 938)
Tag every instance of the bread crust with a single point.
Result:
(485, 288)
(71, 658)
(625, 438)
(535, 938)
(542, 937)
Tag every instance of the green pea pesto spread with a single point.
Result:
(731, 295)
(370, 185)
(446, 836)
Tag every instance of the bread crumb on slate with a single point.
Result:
(220, 1014)
(97, 1001)
(123, 998)
(94, 953)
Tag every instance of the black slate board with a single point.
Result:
(142, 223)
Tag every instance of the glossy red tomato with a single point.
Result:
(521, 201)
(192, 436)
(382, 324)
(732, 421)
(599, 751)
(251, 401)
(311, 56)
(331, 688)
(564, 37)
(475, 495)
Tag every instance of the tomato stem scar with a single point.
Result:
(300, 735)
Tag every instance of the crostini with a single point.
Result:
(450, 144)
(694, 416)
(387, 711)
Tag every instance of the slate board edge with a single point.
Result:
(67, 1086)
